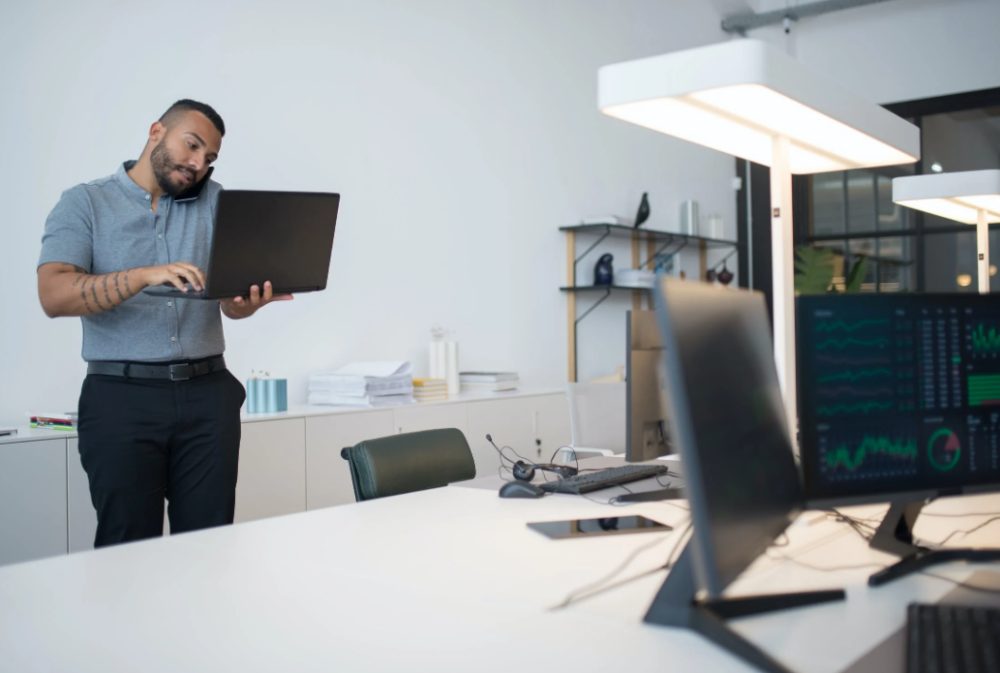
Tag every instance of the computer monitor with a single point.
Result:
(742, 483)
(899, 401)
(646, 428)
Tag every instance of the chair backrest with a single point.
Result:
(597, 415)
(414, 461)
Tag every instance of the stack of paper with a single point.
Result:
(430, 390)
(607, 219)
(487, 382)
(364, 384)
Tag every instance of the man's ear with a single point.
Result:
(157, 131)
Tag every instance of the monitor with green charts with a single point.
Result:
(898, 394)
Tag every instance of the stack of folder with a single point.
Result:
(364, 384)
(486, 383)
(430, 390)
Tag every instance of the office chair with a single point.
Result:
(410, 462)
(597, 420)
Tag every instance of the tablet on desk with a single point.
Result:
(614, 525)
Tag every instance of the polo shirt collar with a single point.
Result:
(129, 185)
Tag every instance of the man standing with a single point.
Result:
(159, 411)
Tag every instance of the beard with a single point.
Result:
(163, 165)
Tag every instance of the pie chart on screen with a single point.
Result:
(944, 450)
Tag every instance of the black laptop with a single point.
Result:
(283, 237)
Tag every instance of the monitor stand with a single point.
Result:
(676, 605)
(895, 536)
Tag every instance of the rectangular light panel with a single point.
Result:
(736, 97)
(955, 196)
(960, 210)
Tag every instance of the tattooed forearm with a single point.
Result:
(118, 291)
(104, 286)
(86, 304)
(98, 293)
(93, 291)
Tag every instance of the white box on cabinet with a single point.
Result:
(328, 479)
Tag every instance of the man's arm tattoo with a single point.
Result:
(93, 292)
(83, 296)
(127, 288)
(118, 291)
(104, 286)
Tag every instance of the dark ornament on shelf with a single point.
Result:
(643, 213)
(725, 276)
(603, 272)
(710, 276)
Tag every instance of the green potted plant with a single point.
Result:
(814, 268)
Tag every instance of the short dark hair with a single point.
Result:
(186, 105)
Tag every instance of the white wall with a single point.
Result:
(900, 50)
(460, 133)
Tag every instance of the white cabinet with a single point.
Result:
(287, 464)
(328, 478)
(32, 500)
(533, 426)
(551, 424)
(272, 472)
(417, 417)
(508, 421)
(82, 515)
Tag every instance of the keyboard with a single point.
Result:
(950, 638)
(595, 481)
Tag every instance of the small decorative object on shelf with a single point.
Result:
(604, 273)
(643, 213)
(689, 218)
(710, 276)
(266, 395)
(725, 276)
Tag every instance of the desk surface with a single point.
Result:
(447, 579)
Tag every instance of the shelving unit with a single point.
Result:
(657, 243)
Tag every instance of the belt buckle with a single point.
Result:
(175, 374)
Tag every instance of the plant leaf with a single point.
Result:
(814, 270)
(857, 275)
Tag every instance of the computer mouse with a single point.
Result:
(520, 489)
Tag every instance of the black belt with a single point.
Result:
(139, 370)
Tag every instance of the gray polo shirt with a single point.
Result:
(109, 225)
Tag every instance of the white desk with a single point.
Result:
(442, 580)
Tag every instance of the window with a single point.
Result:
(852, 212)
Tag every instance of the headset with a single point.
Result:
(525, 471)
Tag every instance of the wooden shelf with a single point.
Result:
(646, 245)
(621, 231)
(595, 288)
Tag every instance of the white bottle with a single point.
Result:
(451, 349)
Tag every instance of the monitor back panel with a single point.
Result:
(645, 407)
(283, 237)
(728, 421)
(898, 393)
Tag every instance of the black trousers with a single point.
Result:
(143, 440)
